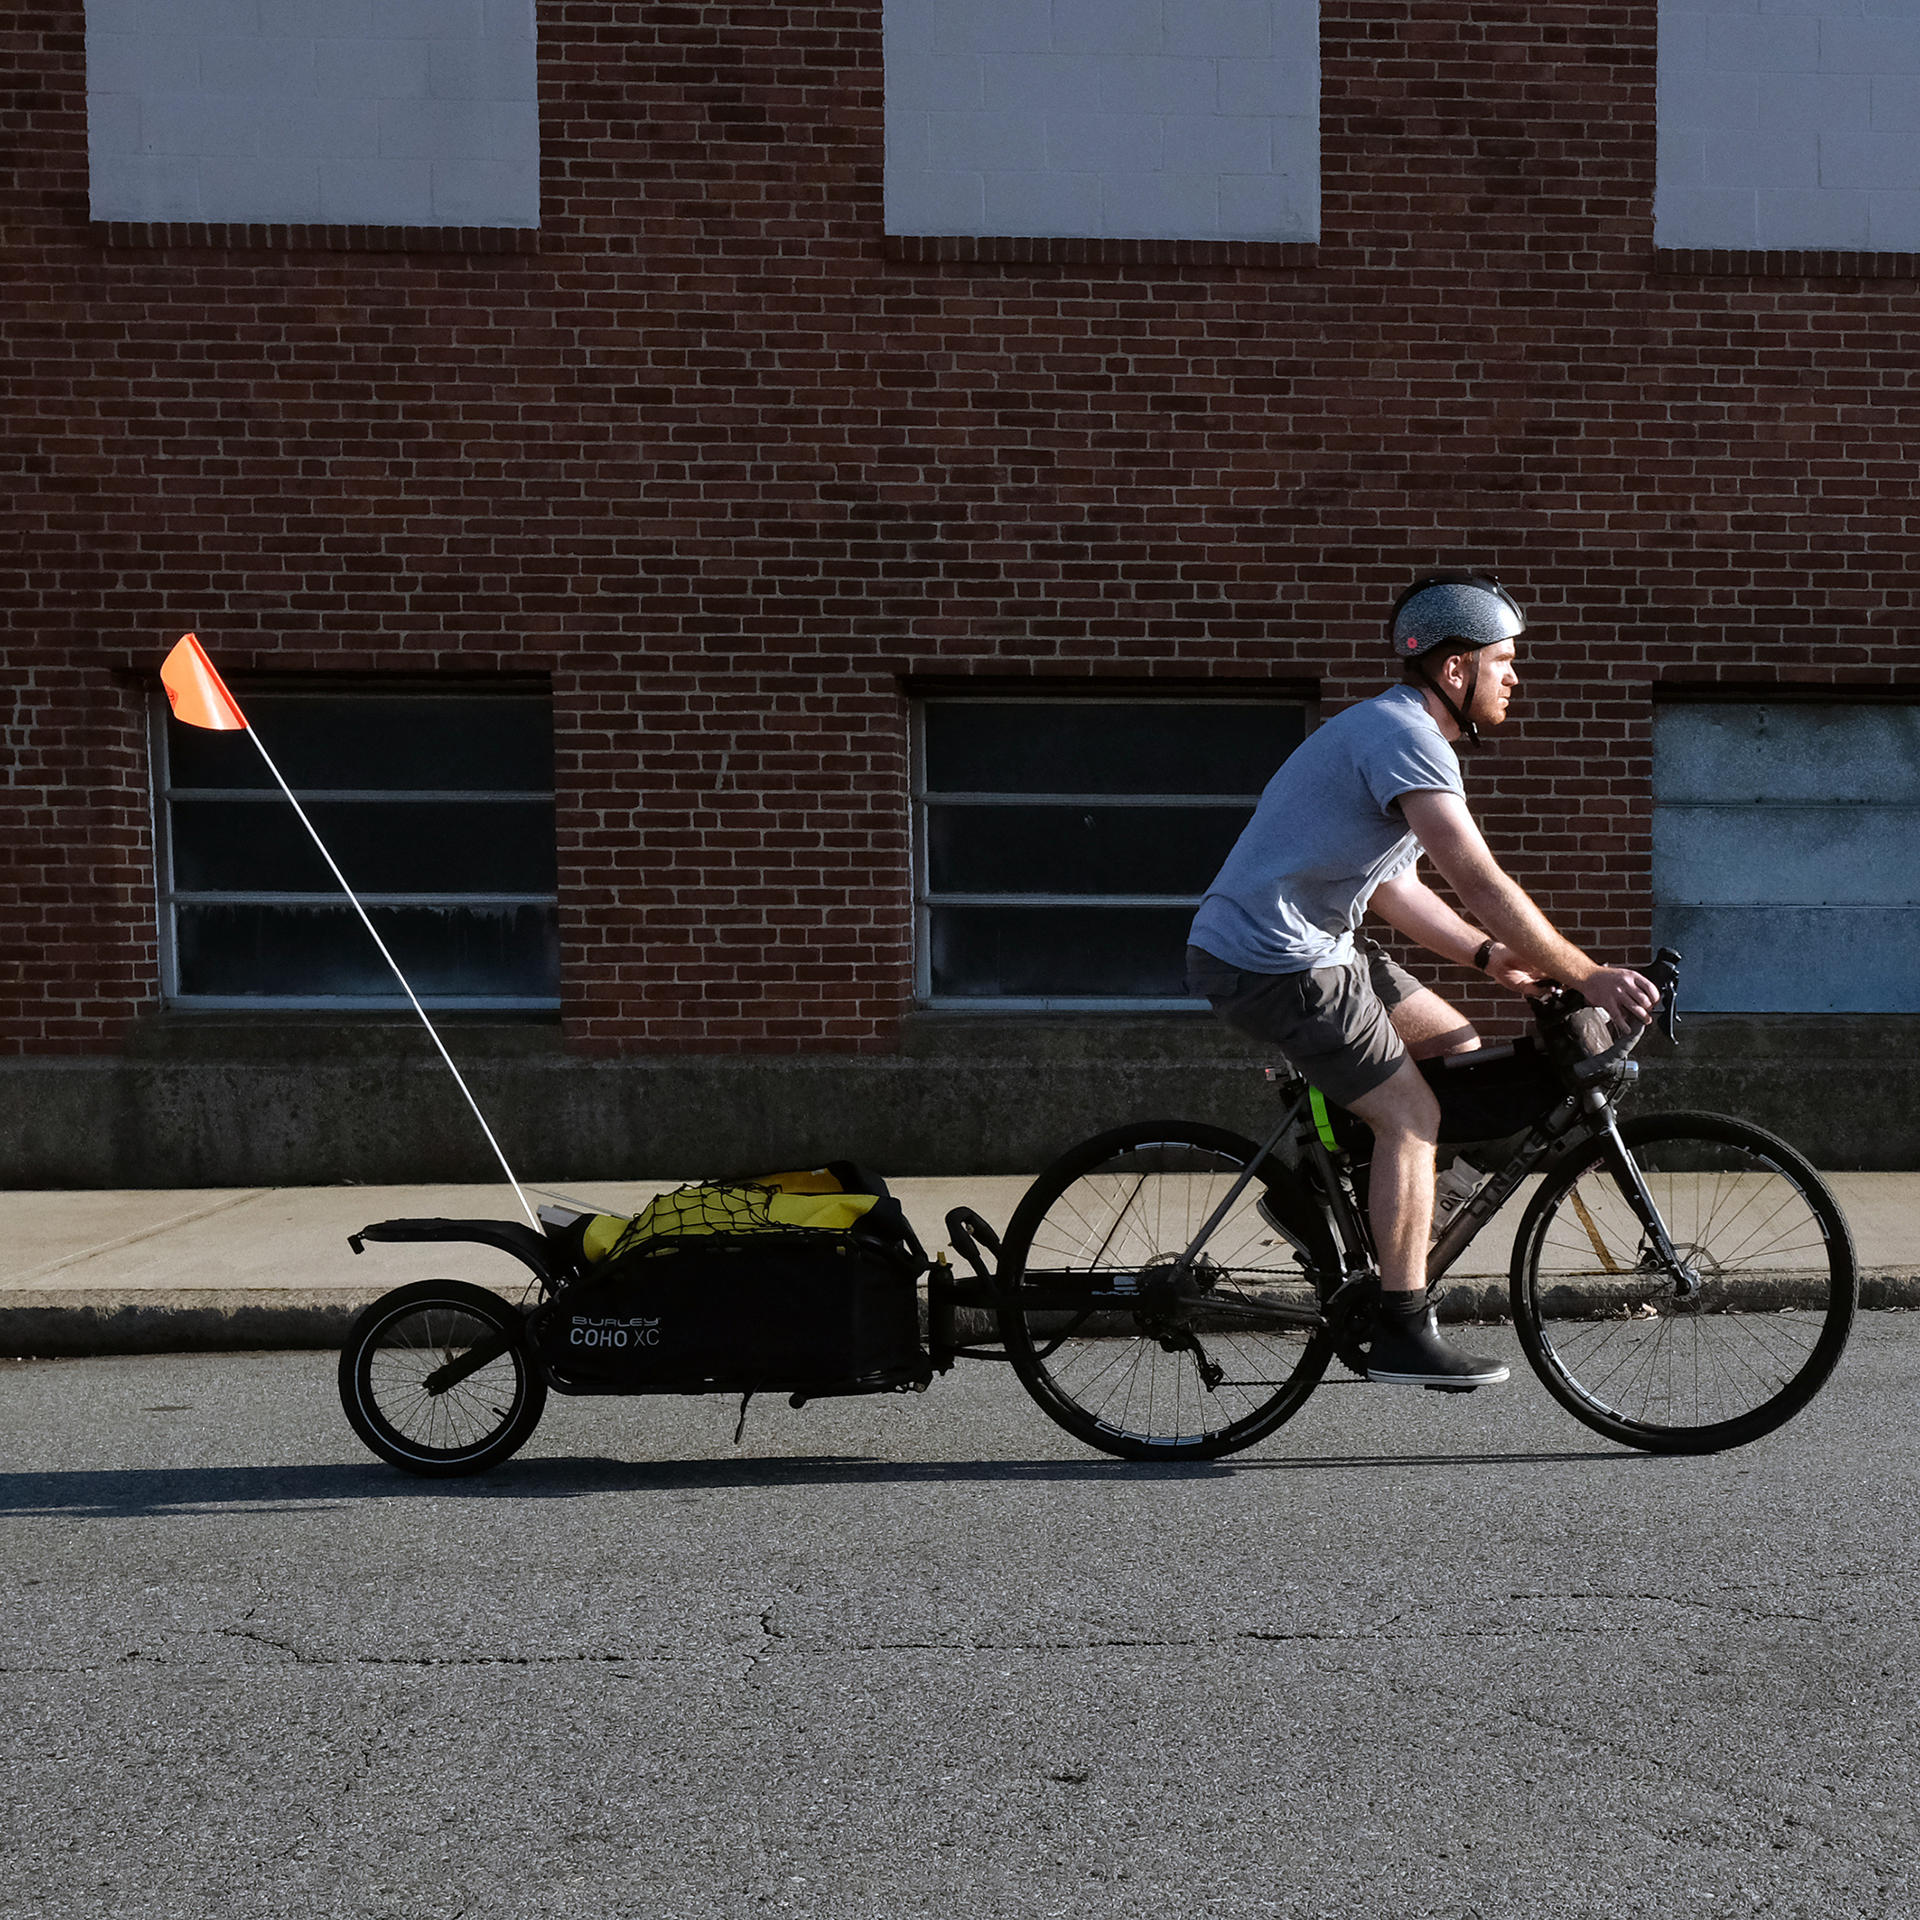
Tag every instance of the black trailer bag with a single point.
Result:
(750, 1304)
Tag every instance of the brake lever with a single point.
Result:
(1665, 973)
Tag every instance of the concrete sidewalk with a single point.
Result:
(179, 1270)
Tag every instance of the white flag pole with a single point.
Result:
(532, 1217)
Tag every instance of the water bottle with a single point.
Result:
(1451, 1191)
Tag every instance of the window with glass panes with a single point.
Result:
(1062, 845)
(436, 805)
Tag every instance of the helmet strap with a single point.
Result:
(1469, 733)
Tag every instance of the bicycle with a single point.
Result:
(1681, 1282)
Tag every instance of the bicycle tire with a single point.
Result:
(1122, 1204)
(1604, 1328)
(466, 1427)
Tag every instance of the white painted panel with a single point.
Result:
(408, 112)
(1786, 750)
(1787, 854)
(1788, 123)
(1021, 82)
(1138, 119)
(1794, 960)
(1108, 26)
(1811, 856)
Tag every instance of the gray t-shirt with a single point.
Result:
(1327, 831)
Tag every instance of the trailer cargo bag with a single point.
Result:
(801, 1283)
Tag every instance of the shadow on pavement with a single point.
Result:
(132, 1493)
(1600, 1455)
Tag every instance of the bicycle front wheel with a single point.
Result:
(1712, 1359)
(435, 1377)
(1205, 1363)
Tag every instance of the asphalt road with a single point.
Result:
(1414, 1655)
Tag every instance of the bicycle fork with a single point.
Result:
(1633, 1189)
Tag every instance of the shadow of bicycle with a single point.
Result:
(121, 1493)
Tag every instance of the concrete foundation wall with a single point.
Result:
(380, 1108)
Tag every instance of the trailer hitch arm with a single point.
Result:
(482, 1353)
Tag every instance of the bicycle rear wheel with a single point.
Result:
(1613, 1337)
(1203, 1365)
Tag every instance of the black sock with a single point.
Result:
(1411, 1305)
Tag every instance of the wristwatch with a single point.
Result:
(1482, 954)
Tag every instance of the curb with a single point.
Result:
(1884, 1290)
(72, 1323)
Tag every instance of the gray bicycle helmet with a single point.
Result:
(1456, 611)
(1448, 613)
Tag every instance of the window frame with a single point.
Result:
(925, 901)
(168, 898)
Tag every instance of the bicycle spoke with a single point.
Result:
(388, 1361)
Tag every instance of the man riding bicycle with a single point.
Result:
(1277, 948)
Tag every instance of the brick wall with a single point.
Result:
(738, 477)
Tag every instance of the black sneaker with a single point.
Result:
(1407, 1350)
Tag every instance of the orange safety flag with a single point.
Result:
(196, 692)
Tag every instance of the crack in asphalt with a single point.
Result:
(1395, 1630)
(304, 1659)
(770, 1637)
(328, 1661)
(1835, 1832)
(266, 1640)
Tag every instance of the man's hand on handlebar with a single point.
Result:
(1628, 999)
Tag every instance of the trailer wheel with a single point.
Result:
(436, 1378)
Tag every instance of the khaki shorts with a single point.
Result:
(1330, 1022)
